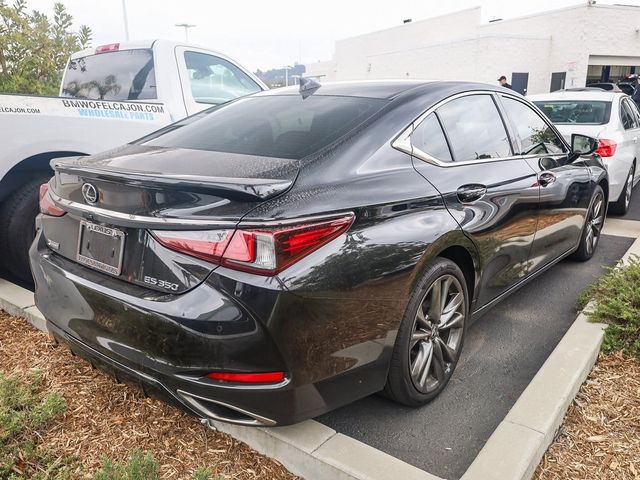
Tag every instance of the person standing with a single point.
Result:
(503, 82)
(634, 82)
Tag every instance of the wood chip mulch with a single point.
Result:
(600, 437)
(106, 418)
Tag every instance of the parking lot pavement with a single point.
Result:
(634, 208)
(503, 351)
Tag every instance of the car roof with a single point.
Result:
(597, 95)
(139, 44)
(383, 89)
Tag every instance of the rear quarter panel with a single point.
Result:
(347, 299)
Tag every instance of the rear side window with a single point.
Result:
(215, 80)
(535, 135)
(474, 128)
(634, 109)
(283, 126)
(627, 116)
(567, 112)
(429, 138)
(120, 75)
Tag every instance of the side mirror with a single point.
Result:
(583, 145)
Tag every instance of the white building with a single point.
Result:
(537, 53)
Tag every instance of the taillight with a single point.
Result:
(606, 148)
(263, 377)
(46, 204)
(110, 47)
(265, 251)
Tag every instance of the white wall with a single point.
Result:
(458, 47)
(325, 70)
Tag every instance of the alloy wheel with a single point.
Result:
(595, 221)
(437, 333)
(628, 190)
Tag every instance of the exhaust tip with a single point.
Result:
(212, 410)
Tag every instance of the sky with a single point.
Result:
(272, 34)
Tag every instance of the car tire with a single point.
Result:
(594, 221)
(430, 337)
(17, 228)
(621, 206)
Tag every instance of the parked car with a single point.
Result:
(608, 86)
(614, 120)
(289, 252)
(626, 87)
(109, 95)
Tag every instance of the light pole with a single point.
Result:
(186, 27)
(126, 23)
(286, 75)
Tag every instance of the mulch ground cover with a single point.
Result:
(104, 418)
(600, 437)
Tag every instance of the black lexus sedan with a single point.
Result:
(289, 252)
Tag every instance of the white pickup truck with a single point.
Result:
(109, 96)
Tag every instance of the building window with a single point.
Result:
(594, 74)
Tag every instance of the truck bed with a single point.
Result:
(30, 125)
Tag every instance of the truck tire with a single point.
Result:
(17, 227)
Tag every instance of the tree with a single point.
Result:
(34, 48)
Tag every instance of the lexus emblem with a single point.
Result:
(89, 193)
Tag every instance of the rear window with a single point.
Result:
(120, 75)
(286, 126)
(581, 111)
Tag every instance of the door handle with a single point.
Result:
(471, 193)
(546, 178)
(635, 139)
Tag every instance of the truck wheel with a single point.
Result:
(17, 227)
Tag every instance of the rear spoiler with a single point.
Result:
(243, 189)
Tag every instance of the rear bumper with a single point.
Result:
(203, 405)
(168, 343)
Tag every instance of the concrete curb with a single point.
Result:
(16, 300)
(516, 447)
(315, 451)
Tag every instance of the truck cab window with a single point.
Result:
(120, 75)
(214, 80)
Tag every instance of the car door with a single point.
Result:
(565, 187)
(462, 147)
(209, 80)
(631, 123)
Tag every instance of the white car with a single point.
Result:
(612, 118)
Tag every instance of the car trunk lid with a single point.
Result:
(115, 199)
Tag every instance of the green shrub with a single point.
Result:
(617, 303)
(139, 467)
(25, 411)
(205, 474)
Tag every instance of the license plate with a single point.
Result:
(100, 247)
